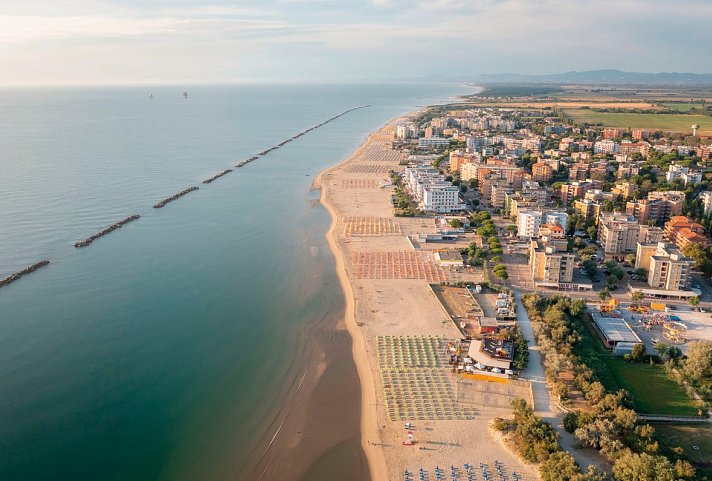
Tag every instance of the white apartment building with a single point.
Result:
(707, 201)
(678, 172)
(528, 221)
(406, 131)
(430, 189)
(605, 147)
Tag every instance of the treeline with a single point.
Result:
(537, 442)
(609, 424)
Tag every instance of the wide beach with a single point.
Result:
(389, 299)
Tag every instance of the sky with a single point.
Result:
(59, 42)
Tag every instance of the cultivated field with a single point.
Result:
(681, 123)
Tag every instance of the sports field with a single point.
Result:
(675, 122)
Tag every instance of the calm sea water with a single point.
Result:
(162, 351)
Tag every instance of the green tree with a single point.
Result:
(694, 301)
(699, 359)
(630, 466)
(605, 294)
(637, 296)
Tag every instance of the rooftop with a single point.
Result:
(614, 327)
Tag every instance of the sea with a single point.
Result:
(189, 344)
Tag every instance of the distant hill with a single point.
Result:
(606, 77)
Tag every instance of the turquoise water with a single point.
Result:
(166, 349)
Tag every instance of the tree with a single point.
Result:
(637, 296)
(699, 359)
(638, 353)
(560, 466)
(694, 301)
(605, 294)
(632, 466)
(630, 259)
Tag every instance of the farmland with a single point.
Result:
(665, 122)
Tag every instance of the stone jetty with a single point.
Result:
(174, 197)
(13, 277)
(102, 233)
(217, 176)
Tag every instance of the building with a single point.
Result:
(667, 268)
(605, 147)
(640, 134)
(574, 190)
(450, 258)
(433, 142)
(430, 189)
(617, 335)
(527, 200)
(612, 133)
(588, 208)
(528, 222)
(552, 265)
(542, 171)
(625, 189)
(579, 171)
(406, 131)
(682, 231)
(684, 174)
(499, 192)
(552, 231)
(657, 208)
(706, 198)
(650, 234)
(618, 234)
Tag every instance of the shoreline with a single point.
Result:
(369, 420)
(399, 304)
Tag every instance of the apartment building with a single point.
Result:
(542, 171)
(529, 221)
(667, 268)
(430, 189)
(552, 265)
(706, 198)
(682, 231)
(626, 189)
(588, 208)
(618, 234)
(657, 208)
(678, 172)
(574, 189)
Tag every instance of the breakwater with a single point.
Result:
(217, 176)
(111, 228)
(13, 277)
(174, 197)
(295, 137)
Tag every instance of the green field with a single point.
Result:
(682, 106)
(687, 436)
(651, 389)
(675, 122)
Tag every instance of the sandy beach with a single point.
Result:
(388, 296)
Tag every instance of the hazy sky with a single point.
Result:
(183, 41)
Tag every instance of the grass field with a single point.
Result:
(687, 436)
(675, 122)
(682, 106)
(651, 389)
(654, 392)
